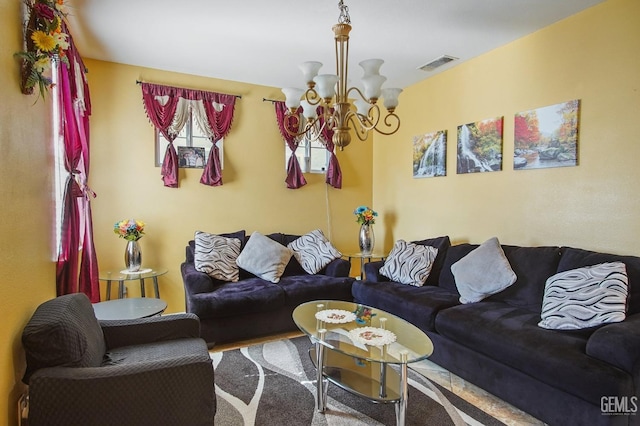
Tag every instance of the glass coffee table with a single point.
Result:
(357, 346)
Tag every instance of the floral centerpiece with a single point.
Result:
(129, 229)
(44, 41)
(365, 215)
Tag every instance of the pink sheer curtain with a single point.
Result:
(161, 102)
(334, 174)
(295, 179)
(77, 227)
(220, 123)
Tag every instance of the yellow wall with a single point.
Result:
(593, 56)
(26, 266)
(254, 195)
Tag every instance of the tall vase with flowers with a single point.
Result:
(131, 230)
(366, 217)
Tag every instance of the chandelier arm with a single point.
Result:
(395, 125)
(306, 128)
(355, 89)
(311, 96)
(359, 129)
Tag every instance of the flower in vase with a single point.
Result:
(129, 229)
(365, 215)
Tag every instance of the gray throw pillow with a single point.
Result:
(483, 272)
(216, 256)
(264, 257)
(585, 297)
(313, 251)
(409, 263)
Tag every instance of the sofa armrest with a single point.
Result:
(617, 344)
(119, 333)
(112, 394)
(337, 268)
(372, 271)
(195, 281)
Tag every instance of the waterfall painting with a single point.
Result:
(546, 137)
(430, 154)
(480, 146)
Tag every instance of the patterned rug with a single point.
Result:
(273, 384)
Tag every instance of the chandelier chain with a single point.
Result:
(344, 17)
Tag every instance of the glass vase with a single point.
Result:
(366, 239)
(133, 256)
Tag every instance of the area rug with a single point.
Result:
(273, 384)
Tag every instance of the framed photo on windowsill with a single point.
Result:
(191, 157)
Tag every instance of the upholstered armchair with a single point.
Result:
(152, 371)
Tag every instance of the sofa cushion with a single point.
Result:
(573, 258)
(313, 251)
(585, 297)
(63, 332)
(264, 257)
(304, 288)
(409, 263)
(533, 266)
(216, 256)
(510, 335)
(248, 296)
(418, 305)
(454, 253)
(442, 244)
(483, 272)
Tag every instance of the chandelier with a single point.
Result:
(330, 92)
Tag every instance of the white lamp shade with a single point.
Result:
(326, 85)
(371, 66)
(308, 110)
(310, 70)
(362, 107)
(372, 85)
(292, 96)
(390, 97)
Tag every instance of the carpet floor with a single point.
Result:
(273, 384)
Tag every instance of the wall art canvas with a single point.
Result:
(547, 137)
(430, 154)
(480, 146)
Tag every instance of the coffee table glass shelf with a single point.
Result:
(361, 349)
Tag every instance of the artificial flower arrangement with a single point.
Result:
(44, 41)
(365, 215)
(129, 229)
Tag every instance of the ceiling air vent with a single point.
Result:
(438, 62)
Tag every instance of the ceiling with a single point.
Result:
(262, 42)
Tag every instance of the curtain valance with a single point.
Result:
(168, 109)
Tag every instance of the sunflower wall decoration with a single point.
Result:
(44, 40)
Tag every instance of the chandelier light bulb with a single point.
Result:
(309, 71)
(362, 107)
(390, 98)
(326, 85)
(371, 66)
(372, 86)
(292, 97)
(309, 111)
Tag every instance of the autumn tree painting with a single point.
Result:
(547, 137)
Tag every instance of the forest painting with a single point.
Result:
(547, 137)
(480, 146)
(430, 154)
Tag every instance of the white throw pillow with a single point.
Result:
(409, 263)
(264, 257)
(483, 272)
(313, 251)
(585, 297)
(216, 256)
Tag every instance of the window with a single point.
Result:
(190, 136)
(60, 173)
(312, 156)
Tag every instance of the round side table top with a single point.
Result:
(133, 308)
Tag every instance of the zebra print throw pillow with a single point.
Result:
(409, 263)
(313, 251)
(216, 256)
(585, 297)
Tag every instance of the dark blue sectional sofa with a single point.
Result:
(582, 377)
(254, 307)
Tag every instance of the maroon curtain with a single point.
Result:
(334, 174)
(220, 123)
(77, 229)
(161, 116)
(295, 179)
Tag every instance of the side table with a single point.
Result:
(121, 277)
(362, 258)
(125, 309)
